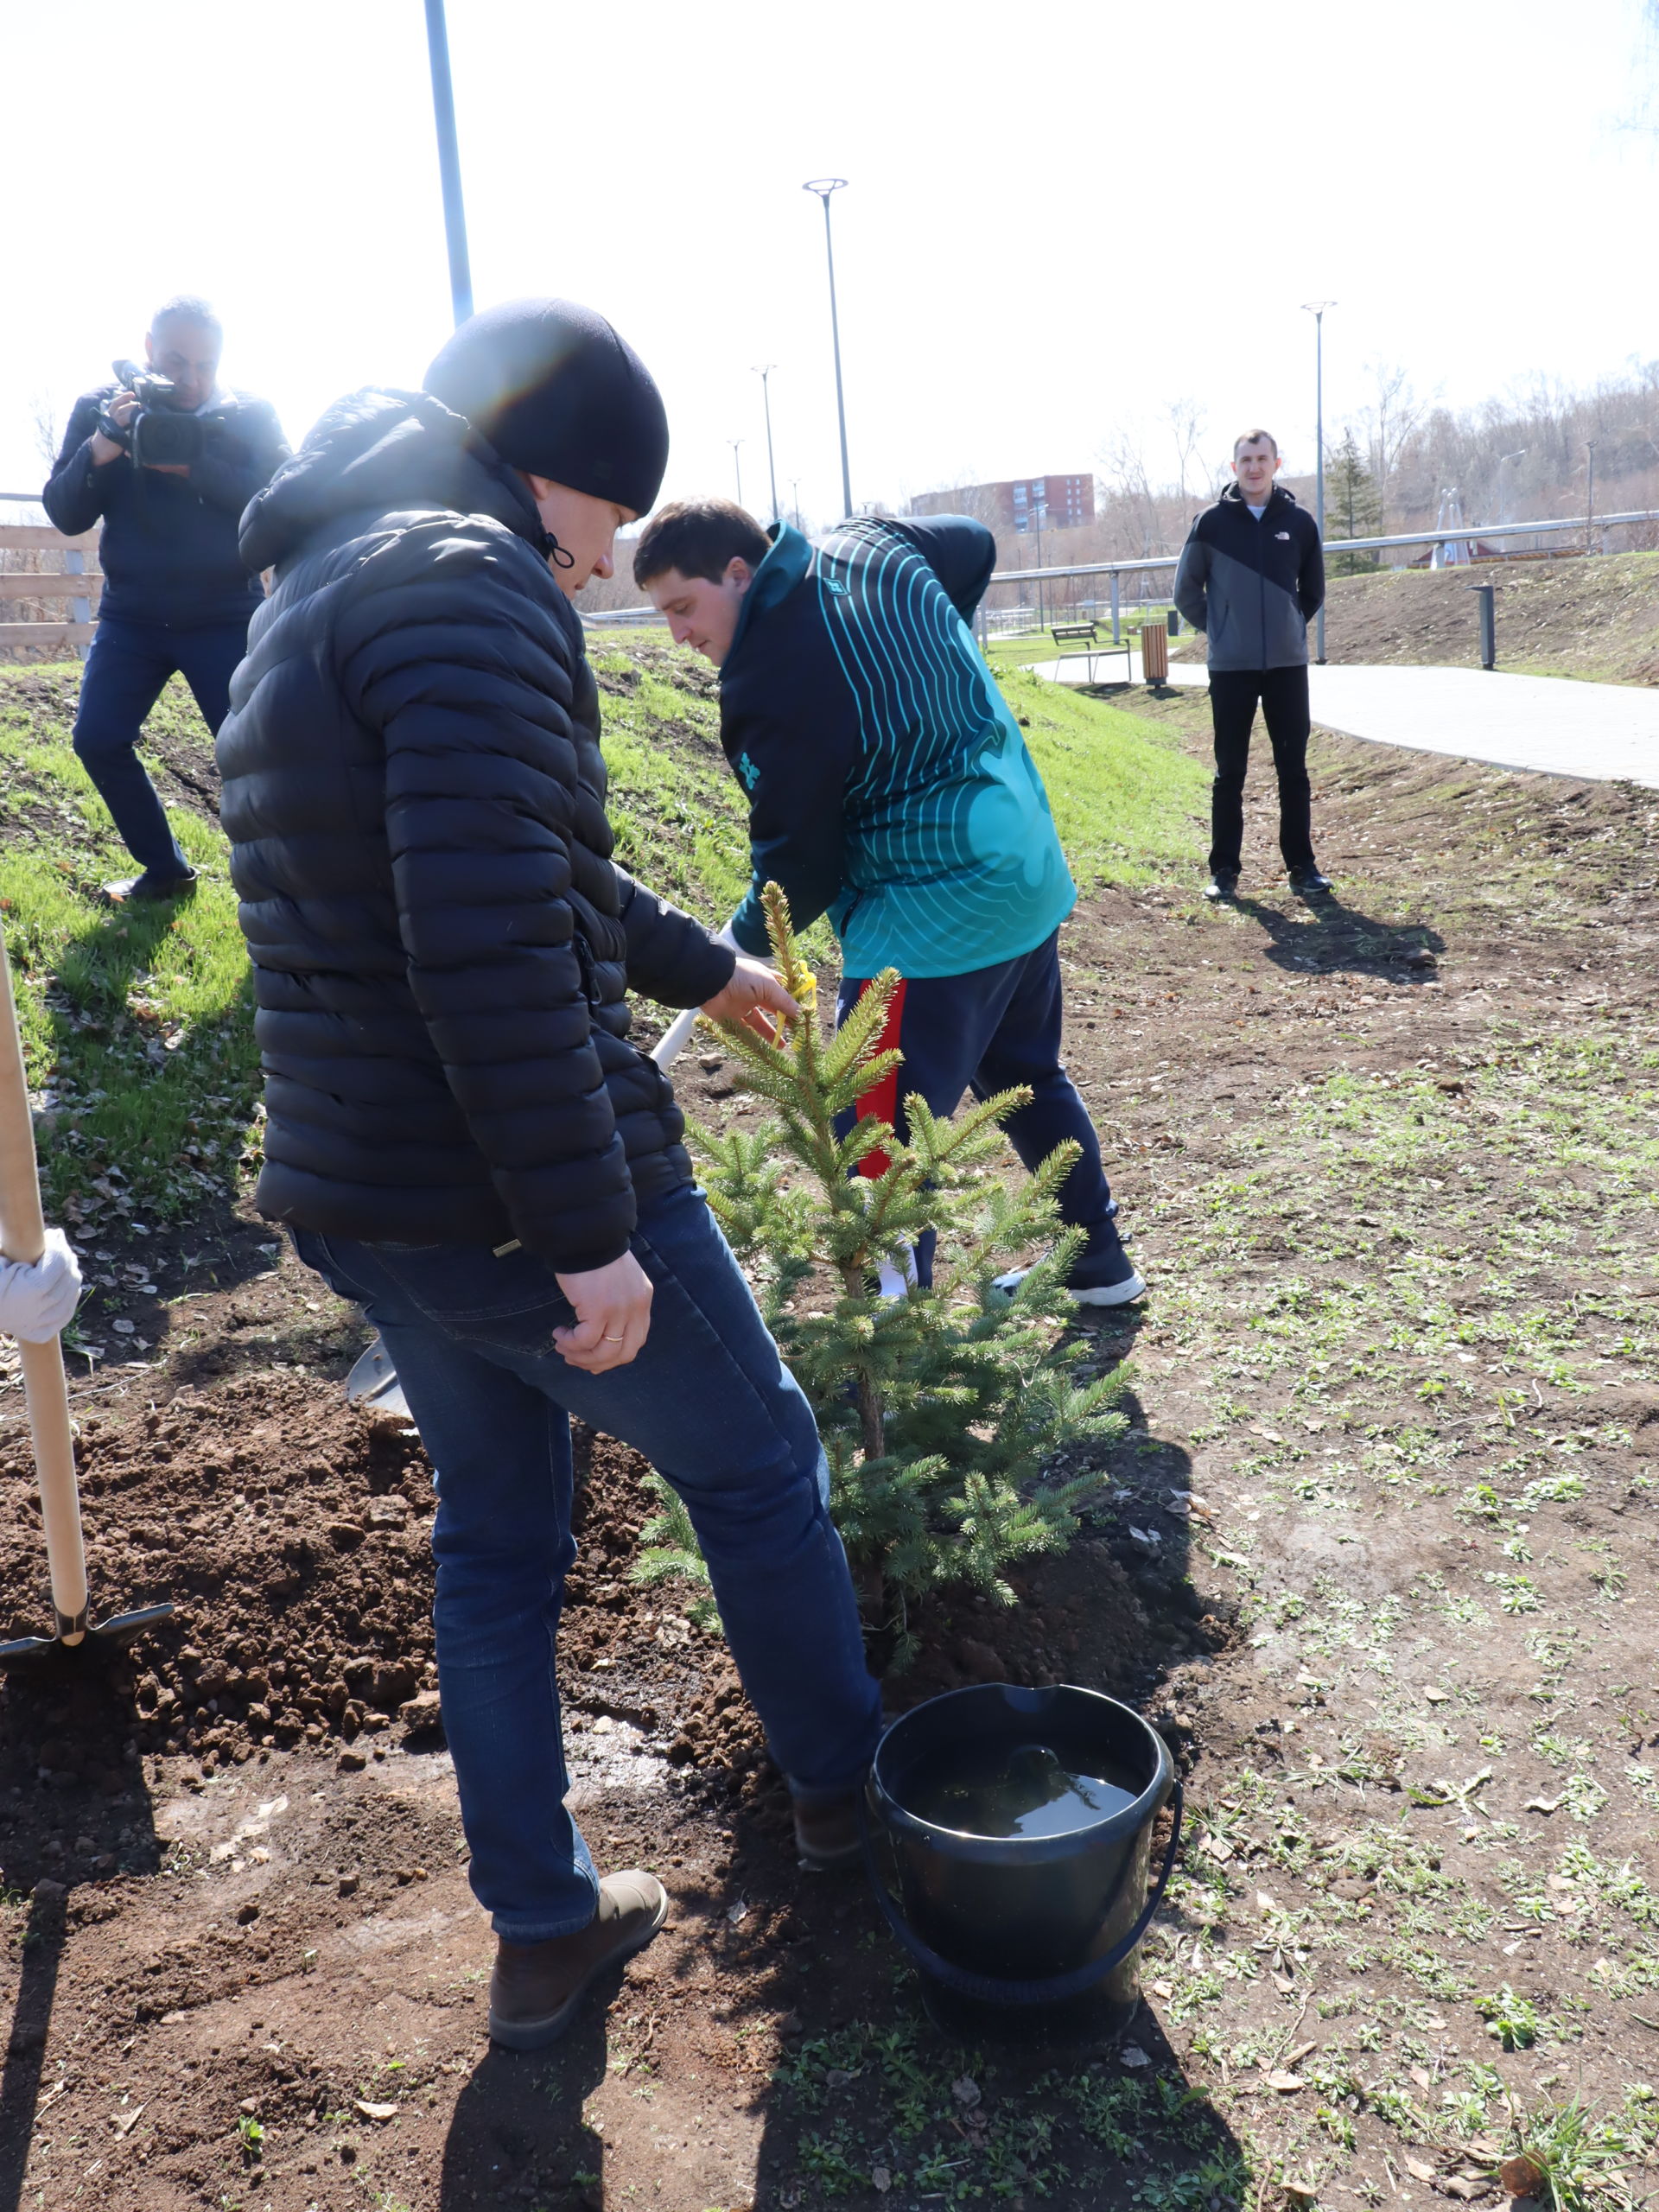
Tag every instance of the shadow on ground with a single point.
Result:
(518, 2134)
(76, 1810)
(1324, 936)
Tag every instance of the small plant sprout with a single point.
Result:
(1513, 2020)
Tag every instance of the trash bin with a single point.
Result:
(1155, 652)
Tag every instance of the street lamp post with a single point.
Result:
(825, 187)
(1519, 454)
(795, 498)
(1316, 308)
(455, 213)
(765, 375)
(737, 462)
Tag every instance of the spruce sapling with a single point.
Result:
(943, 1413)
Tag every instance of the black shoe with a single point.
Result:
(1309, 879)
(1222, 885)
(151, 886)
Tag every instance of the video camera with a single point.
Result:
(158, 435)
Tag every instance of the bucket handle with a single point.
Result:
(1052, 1988)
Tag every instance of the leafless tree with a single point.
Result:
(1188, 422)
(43, 421)
(1394, 413)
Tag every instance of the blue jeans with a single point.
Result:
(125, 672)
(712, 1407)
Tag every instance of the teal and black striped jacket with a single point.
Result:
(889, 787)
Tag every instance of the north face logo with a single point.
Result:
(1285, 534)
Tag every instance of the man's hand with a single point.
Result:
(121, 409)
(612, 1307)
(169, 467)
(753, 986)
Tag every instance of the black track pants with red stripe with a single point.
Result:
(987, 1031)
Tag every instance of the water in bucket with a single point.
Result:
(1005, 1790)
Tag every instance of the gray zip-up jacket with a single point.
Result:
(1252, 584)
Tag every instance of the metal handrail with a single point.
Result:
(1467, 534)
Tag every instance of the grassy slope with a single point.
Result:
(1595, 620)
(137, 1026)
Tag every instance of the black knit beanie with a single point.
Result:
(558, 394)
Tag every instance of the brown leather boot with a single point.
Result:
(826, 1831)
(537, 1988)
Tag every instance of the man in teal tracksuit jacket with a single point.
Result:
(889, 787)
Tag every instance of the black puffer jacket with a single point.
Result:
(415, 796)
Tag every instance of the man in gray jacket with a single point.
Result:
(1252, 578)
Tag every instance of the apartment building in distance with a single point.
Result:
(1022, 505)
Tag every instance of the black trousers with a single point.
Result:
(1282, 695)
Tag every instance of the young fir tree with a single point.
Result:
(941, 1411)
(1353, 508)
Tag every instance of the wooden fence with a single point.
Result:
(56, 574)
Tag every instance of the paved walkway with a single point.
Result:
(1604, 732)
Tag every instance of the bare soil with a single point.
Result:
(241, 1963)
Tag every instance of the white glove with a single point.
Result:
(37, 1302)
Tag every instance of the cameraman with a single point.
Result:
(176, 596)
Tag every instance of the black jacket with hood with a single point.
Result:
(1252, 584)
(415, 796)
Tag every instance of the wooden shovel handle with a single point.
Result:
(22, 1236)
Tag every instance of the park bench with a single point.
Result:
(1087, 635)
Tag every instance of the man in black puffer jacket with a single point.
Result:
(459, 1133)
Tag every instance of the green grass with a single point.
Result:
(1128, 799)
(676, 809)
(137, 1023)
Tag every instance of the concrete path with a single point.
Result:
(1605, 732)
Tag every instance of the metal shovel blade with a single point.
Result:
(112, 1635)
(373, 1382)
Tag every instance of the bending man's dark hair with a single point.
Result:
(700, 537)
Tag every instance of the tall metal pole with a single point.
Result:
(1590, 498)
(795, 498)
(765, 375)
(737, 462)
(824, 185)
(455, 213)
(1316, 308)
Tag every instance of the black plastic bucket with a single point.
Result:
(1029, 1936)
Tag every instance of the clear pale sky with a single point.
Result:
(1053, 226)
